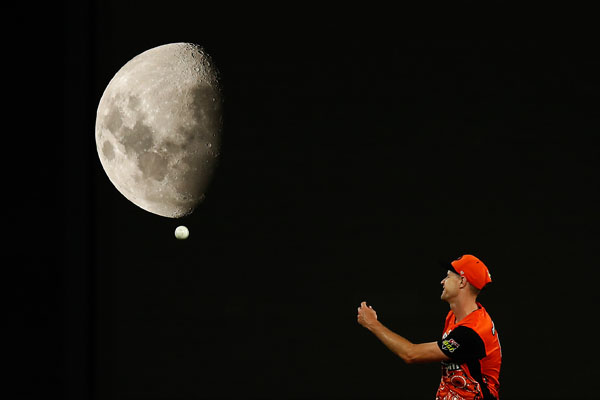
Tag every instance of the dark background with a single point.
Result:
(350, 165)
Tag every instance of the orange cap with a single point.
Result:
(473, 269)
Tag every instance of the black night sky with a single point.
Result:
(350, 165)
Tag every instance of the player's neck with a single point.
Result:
(461, 307)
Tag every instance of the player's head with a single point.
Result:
(466, 276)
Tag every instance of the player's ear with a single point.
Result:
(464, 282)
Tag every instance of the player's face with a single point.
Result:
(451, 284)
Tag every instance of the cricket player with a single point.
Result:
(469, 349)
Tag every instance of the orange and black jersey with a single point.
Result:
(475, 357)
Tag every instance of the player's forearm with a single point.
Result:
(396, 343)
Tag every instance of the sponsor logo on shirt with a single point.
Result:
(450, 344)
(450, 366)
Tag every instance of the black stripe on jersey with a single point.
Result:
(475, 371)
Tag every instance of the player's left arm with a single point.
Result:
(411, 353)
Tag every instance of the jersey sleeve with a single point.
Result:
(462, 344)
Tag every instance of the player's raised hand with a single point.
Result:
(367, 316)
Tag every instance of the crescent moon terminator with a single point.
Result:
(158, 128)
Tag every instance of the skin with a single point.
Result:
(462, 299)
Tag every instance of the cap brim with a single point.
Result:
(445, 265)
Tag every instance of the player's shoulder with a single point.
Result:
(479, 321)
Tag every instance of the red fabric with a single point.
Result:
(473, 269)
(457, 382)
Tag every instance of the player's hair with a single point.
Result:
(474, 290)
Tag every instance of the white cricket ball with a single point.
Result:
(181, 232)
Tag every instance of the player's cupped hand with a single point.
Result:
(366, 315)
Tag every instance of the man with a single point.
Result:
(469, 349)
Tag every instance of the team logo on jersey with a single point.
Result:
(450, 344)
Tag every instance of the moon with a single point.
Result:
(158, 128)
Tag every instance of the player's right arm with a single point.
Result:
(411, 353)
